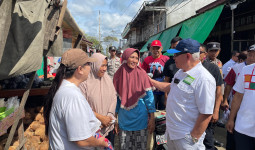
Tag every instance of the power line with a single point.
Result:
(173, 10)
(181, 6)
(174, 3)
(127, 7)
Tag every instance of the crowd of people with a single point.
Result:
(118, 96)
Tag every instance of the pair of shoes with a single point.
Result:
(219, 124)
(218, 143)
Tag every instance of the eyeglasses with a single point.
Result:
(88, 64)
(178, 54)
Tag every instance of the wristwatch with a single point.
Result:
(194, 139)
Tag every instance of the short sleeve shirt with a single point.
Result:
(232, 77)
(227, 67)
(193, 95)
(216, 62)
(71, 118)
(155, 66)
(245, 84)
(215, 72)
(113, 65)
(170, 69)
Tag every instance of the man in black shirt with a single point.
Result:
(215, 72)
(170, 68)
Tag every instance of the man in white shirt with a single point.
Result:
(190, 103)
(228, 65)
(242, 107)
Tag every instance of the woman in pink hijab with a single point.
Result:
(135, 105)
(99, 91)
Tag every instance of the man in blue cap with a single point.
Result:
(191, 99)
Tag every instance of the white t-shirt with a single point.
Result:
(185, 102)
(227, 67)
(71, 118)
(245, 84)
(237, 69)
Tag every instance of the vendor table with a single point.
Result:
(20, 92)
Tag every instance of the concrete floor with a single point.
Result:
(220, 135)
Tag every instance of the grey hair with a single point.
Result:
(196, 55)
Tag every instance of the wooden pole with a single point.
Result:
(232, 31)
(77, 41)
(20, 109)
(45, 67)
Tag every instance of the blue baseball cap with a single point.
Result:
(188, 46)
(172, 51)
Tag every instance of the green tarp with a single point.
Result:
(155, 37)
(40, 71)
(199, 27)
(168, 35)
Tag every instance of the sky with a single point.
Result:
(114, 15)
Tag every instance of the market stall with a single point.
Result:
(33, 31)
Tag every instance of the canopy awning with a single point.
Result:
(164, 37)
(23, 51)
(199, 27)
(168, 35)
(70, 26)
(155, 37)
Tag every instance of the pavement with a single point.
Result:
(220, 135)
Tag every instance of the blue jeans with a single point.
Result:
(209, 137)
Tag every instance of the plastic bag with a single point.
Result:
(110, 147)
(12, 102)
(224, 117)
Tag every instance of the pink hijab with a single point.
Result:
(100, 92)
(130, 84)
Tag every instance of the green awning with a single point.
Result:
(168, 35)
(199, 27)
(155, 37)
(40, 71)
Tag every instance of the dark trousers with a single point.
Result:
(159, 102)
(231, 145)
(209, 137)
(244, 142)
(110, 137)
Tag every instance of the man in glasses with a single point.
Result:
(170, 67)
(215, 72)
(190, 103)
(113, 62)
